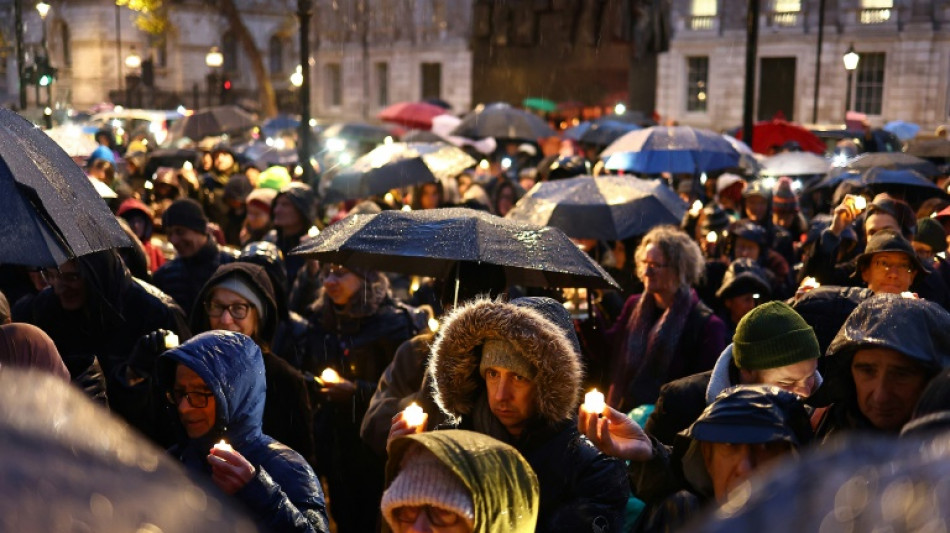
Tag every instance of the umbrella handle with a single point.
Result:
(455, 301)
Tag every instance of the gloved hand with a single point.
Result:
(146, 352)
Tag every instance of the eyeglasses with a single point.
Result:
(899, 267)
(649, 265)
(437, 517)
(338, 272)
(237, 311)
(52, 274)
(196, 399)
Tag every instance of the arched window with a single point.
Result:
(229, 47)
(275, 55)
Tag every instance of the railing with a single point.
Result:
(702, 22)
(874, 16)
(783, 19)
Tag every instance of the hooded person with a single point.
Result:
(458, 479)
(97, 313)
(216, 382)
(932, 412)
(27, 346)
(199, 255)
(773, 345)
(746, 429)
(750, 240)
(355, 328)
(879, 363)
(141, 219)
(240, 297)
(512, 371)
(744, 286)
(293, 212)
(758, 199)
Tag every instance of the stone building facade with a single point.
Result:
(904, 49)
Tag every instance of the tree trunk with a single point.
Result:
(266, 94)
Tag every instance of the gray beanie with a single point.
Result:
(503, 354)
(424, 480)
(241, 288)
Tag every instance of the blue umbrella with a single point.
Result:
(903, 130)
(574, 133)
(903, 177)
(602, 131)
(675, 149)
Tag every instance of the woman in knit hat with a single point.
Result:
(458, 481)
(258, 222)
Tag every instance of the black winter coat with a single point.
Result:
(183, 277)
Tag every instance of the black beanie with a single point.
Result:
(186, 213)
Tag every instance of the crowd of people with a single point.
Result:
(768, 323)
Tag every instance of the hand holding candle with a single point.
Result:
(414, 415)
(223, 446)
(594, 402)
(171, 341)
(330, 376)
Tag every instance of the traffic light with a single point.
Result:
(45, 74)
(225, 90)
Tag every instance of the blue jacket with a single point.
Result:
(285, 494)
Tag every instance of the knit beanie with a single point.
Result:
(424, 480)
(773, 335)
(784, 200)
(931, 233)
(242, 289)
(262, 197)
(275, 178)
(502, 354)
(186, 213)
(237, 188)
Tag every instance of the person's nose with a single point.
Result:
(226, 317)
(421, 525)
(745, 464)
(881, 391)
(503, 390)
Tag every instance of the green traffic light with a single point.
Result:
(45, 80)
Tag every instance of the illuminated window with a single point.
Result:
(697, 74)
(702, 14)
(876, 11)
(785, 12)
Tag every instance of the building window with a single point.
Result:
(785, 12)
(66, 39)
(697, 73)
(702, 14)
(876, 11)
(275, 55)
(382, 84)
(334, 94)
(229, 48)
(431, 80)
(869, 84)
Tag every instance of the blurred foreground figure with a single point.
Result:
(67, 465)
(458, 481)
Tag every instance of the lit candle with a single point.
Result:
(810, 283)
(171, 341)
(712, 237)
(330, 376)
(413, 415)
(696, 208)
(860, 203)
(223, 446)
(594, 402)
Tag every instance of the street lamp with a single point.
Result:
(296, 79)
(43, 9)
(851, 59)
(214, 59)
(133, 60)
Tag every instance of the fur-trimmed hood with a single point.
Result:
(542, 330)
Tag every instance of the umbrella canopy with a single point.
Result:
(893, 161)
(904, 130)
(675, 149)
(574, 132)
(423, 136)
(602, 132)
(357, 131)
(748, 160)
(260, 152)
(432, 242)
(906, 177)
(502, 121)
(416, 115)
(395, 165)
(274, 126)
(929, 147)
(169, 158)
(77, 141)
(768, 134)
(212, 122)
(604, 208)
(66, 464)
(541, 104)
(51, 212)
(794, 164)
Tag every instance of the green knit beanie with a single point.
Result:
(773, 335)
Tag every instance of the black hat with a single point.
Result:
(751, 231)
(714, 219)
(753, 414)
(888, 241)
(186, 213)
(744, 276)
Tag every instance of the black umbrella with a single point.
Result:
(937, 148)
(893, 161)
(260, 152)
(213, 121)
(903, 183)
(865, 483)
(603, 132)
(51, 212)
(605, 208)
(396, 165)
(432, 242)
(66, 464)
(169, 158)
(502, 121)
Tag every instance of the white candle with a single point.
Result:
(330, 376)
(696, 208)
(712, 237)
(223, 446)
(594, 402)
(860, 203)
(171, 341)
(413, 415)
(810, 283)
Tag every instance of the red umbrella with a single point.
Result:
(415, 115)
(768, 134)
